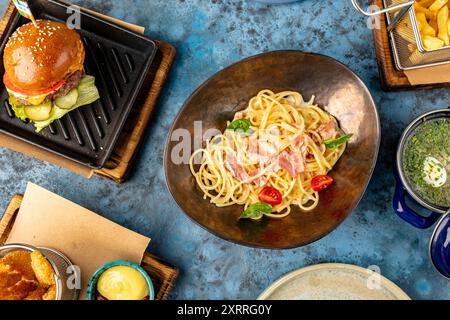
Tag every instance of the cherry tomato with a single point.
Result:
(32, 93)
(270, 195)
(318, 183)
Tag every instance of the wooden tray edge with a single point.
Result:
(167, 274)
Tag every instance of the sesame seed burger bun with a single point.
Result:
(38, 58)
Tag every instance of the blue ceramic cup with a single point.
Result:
(91, 293)
(440, 241)
(440, 246)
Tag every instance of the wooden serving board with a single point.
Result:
(391, 78)
(120, 162)
(162, 274)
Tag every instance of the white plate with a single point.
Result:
(333, 281)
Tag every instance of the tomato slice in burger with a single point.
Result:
(318, 183)
(271, 196)
(32, 93)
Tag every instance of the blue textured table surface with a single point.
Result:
(210, 35)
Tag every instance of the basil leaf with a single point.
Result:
(334, 143)
(241, 126)
(256, 211)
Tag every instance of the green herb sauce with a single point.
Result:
(431, 139)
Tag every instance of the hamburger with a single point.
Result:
(44, 73)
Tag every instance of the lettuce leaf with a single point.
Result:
(19, 111)
(87, 94)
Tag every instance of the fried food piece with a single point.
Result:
(430, 15)
(5, 268)
(50, 294)
(437, 5)
(425, 3)
(442, 20)
(37, 294)
(26, 276)
(19, 291)
(432, 43)
(21, 262)
(433, 20)
(9, 278)
(424, 27)
(42, 269)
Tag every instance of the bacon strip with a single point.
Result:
(298, 140)
(236, 170)
(261, 181)
(258, 181)
(293, 162)
(327, 130)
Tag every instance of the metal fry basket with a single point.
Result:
(60, 264)
(406, 41)
(392, 8)
(407, 44)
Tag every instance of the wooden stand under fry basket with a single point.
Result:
(391, 78)
(162, 274)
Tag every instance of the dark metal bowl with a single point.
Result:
(439, 249)
(432, 115)
(337, 88)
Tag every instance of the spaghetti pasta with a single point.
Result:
(285, 147)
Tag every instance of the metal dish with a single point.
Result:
(337, 88)
(61, 265)
(439, 247)
(333, 281)
(404, 189)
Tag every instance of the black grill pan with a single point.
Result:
(120, 61)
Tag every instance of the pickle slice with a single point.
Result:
(67, 101)
(38, 113)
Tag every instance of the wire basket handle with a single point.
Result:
(378, 12)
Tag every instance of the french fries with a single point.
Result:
(432, 43)
(437, 5)
(424, 28)
(433, 21)
(442, 20)
(425, 3)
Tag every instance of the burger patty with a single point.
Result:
(71, 82)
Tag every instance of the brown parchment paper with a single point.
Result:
(87, 239)
(43, 155)
(429, 75)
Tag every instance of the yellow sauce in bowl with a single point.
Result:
(122, 283)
